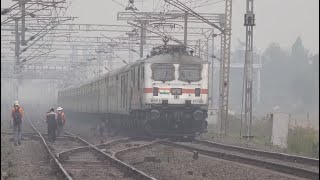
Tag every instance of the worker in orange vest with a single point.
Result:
(52, 125)
(61, 119)
(16, 114)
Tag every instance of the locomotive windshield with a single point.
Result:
(162, 72)
(190, 72)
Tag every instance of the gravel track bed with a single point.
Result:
(62, 145)
(125, 145)
(183, 166)
(27, 161)
(81, 165)
(205, 147)
(84, 165)
(244, 143)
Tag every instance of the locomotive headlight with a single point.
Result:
(198, 115)
(154, 114)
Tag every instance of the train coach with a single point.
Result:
(165, 94)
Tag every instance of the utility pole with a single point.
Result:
(17, 54)
(17, 40)
(23, 23)
(142, 36)
(141, 40)
(249, 22)
(212, 68)
(259, 82)
(185, 28)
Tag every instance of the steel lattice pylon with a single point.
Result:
(225, 69)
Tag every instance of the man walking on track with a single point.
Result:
(52, 125)
(61, 119)
(16, 114)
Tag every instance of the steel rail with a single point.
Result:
(118, 154)
(300, 172)
(126, 167)
(65, 174)
(65, 154)
(267, 154)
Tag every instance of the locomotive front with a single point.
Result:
(176, 93)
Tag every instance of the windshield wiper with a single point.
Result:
(164, 78)
(188, 80)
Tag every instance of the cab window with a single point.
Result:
(190, 72)
(162, 72)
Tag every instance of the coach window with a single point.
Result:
(133, 76)
(190, 72)
(138, 77)
(162, 72)
(127, 82)
(123, 90)
(142, 72)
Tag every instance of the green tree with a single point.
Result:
(287, 78)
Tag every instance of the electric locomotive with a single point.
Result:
(165, 94)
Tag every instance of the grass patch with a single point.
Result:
(303, 141)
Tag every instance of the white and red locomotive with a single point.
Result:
(165, 94)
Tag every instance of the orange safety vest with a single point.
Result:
(20, 110)
(61, 114)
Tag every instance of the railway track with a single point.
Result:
(284, 163)
(267, 154)
(72, 157)
(287, 164)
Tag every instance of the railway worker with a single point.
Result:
(16, 114)
(52, 125)
(61, 119)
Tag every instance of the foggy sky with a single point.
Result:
(280, 21)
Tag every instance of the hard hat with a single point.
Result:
(59, 108)
(16, 103)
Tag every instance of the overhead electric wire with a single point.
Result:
(204, 4)
(40, 37)
(45, 27)
(183, 7)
